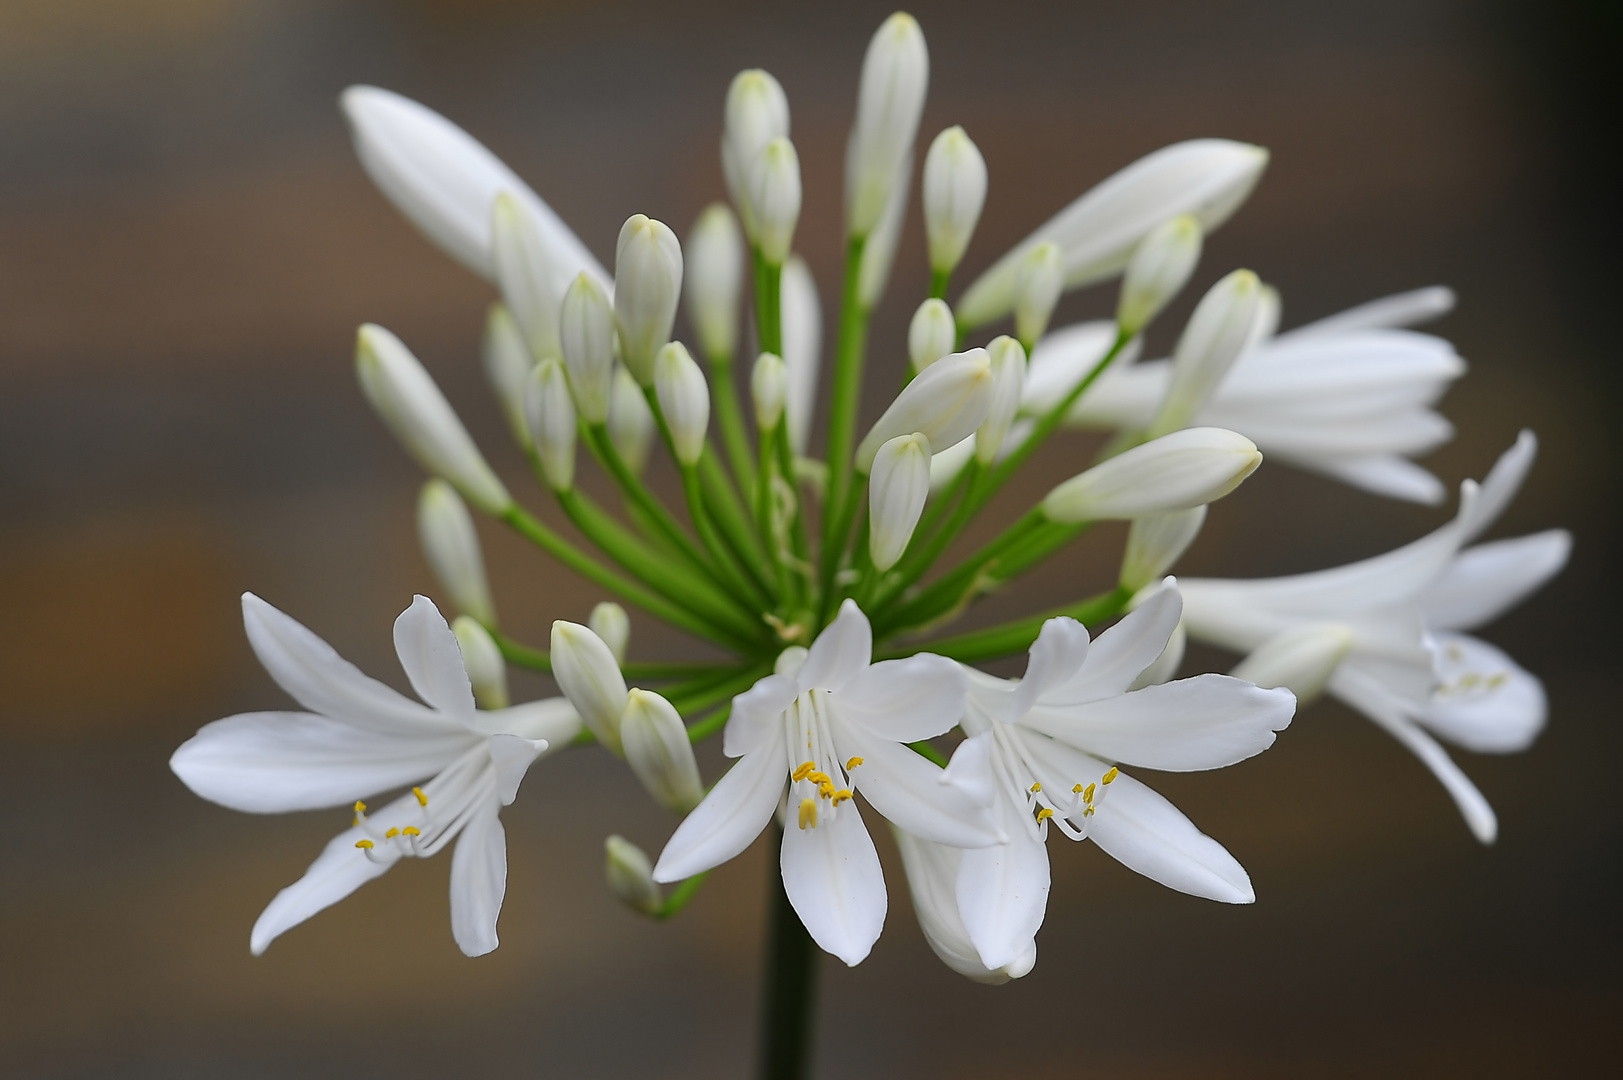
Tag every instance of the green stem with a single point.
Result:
(939, 279)
(651, 507)
(701, 730)
(1052, 419)
(680, 896)
(791, 985)
(730, 419)
(768, 304)
(730, 515)
(845, 515)
(742, 586)
(1017, 635)
(842, 419)
(960, 585)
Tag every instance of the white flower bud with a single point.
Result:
(647, 287)
(507, 362)
(586, 330)
(895, 75)
(406, 397)
(954, 193)
(946, 403)
(451, 545)
(590, 678)
(551, 415)
(684, 398)
(1037, 286)
(531, 285)
(1216, 336)
(1155, 542)
(802, 348)
(1008, 384)
(714, 277)
(1158, 271)
(631, 422)
(880, 251)
(631, 875)
(610, 622)
(658, 751)
(487, 672)
(896, 492)
(757, 112)
(931, 335)
(774, 198)
(769, 385)
(1300, 659)
(1175, 472)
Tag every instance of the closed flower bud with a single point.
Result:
(647, 287)
(445, 529)
(1008, 383)
(407, 399)
(769, 385)
(714, 277)
(802, 349)
(757, 112)
(659, 752)
(631, 422)
(507, 362)
(1301, 660)
(774, 198)
(487, 672)
(896, 492)
(1155, 542)
(1218, 332)
(954, 192)
(551, 414)
(531, 284)
(586, 330)
(946, 403)
(880, 251)
(1175, 472)
(684, 398)
(631, 875)
(1036, 290)
(890, 100)
(590, 678)
(610, 622)
(1159, 269)
(931, 335)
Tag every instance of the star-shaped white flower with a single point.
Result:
(360, 737)
(827, 725)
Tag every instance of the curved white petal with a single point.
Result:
(1120, 654)
(970, 769)
(478, 880)
(553, 720)
(802, 334)
(1486, 703)
(511, 756)
(732, 815)
(932, 879)
(917, 795)
(1003, 891)
(1399, 309)
(1144, 832)
(905, 700)
(840, 652)
(832, 876)
(432, 659)
(1053, 660)
(1379, 474)
(757, 715)
(1485, 581)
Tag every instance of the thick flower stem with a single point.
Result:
(791, 986)
(730, 418)
(842, 417)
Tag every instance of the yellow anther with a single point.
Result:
(842, 795)
(1496, 681)
(853, 763)
(365, 844)
(422, 800)
(360, 807)
(410, 830)
(826, 789)
(1044, 814)
(1077, 790)
(818, 778)
(808, 813)
(1111, 775)
(1088, 812)
(1087, 796)
(1036, 788)
(391, 834)
(800, 773)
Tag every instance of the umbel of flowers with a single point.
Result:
(818, 569)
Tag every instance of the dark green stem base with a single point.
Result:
(791, 985)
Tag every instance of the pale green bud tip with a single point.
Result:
(1037, 288)
(931, 335)
(658, 750)
(1158, 271)
(451, 546)
(896, 493)
(769, 386)
(647, 288)
(684, 398)
(954, 195)
(483, 661)
(713, 280)
(631, 876)
(1155, 542)
(610, 622)
(551, 415)
(590, 678)
(1176, 472)
(1301, 660)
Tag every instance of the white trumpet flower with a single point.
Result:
(589, 675)
(451, 545)
(802, 348)
(1175, 472)
(827, 726)
(954, 193)
(890, 102)
(658, 751)
(358, 738)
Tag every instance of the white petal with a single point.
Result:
(551, 719)
(512, 755)
(841, 651)
(1486, 702)
(1485, 581)
(1054, 659)
(1003, 892)
(832, 876)
(273, 762)
(1145, 832)
(970, 769)
(1400, 309)
(1120, 654)
(932, 879)
(732, 815)
(905, 700)
(757, 715)
(802, 333)
(432, 659)
(1382, 474)
(917, 795)
(478, 880)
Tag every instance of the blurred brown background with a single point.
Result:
(186, 246)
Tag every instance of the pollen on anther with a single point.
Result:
(1087, 795)
(818, 778)
(422, 800)
(360, 807)
(842, 795)
(1036, 787)
(853, 763)
(800, 773)
(365, 845)
(1077, 790)
(391, 834)
(411, 830)
(826, 789)
(1111, 775)
(1044, 814)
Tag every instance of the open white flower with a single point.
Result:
(1046, 746)
(360, 737)
(829, 724)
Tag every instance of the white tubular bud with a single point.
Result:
(658, 751)
(769, 385)
(647, 287)
(507, 362)
(684, 398)
(1301, 660)
(880, 251)
(487, 672)
(774, 198)
(551, 414)
(1155, 542)
(590, 678)
(610, 622)
(802, 348)
(945, 404)
(713, 278)
(531, 283)
(1175, 472)
(896, 494)
(757, 112)
(1037, 286)
(931, 335)
(631, 422)
(586, 330)
(1158, 271)
(1217, 334)
(406, 397)
(631, 875)
(1008, 384)
(954, 193)
(451, 545)
(890, 100)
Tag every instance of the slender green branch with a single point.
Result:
(939, 280)
(1015, 636)
(842, 419)
(959, 586)
(680, 896)
(730, 419)
(742, 585)
(768, 303)
(731, 516)
(702, 729)
(652, 508)
(698, 700)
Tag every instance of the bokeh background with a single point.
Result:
(186, 246)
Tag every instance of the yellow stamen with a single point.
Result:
(1088, 812)
(391, 834)
(360, 807)
(1077, 790)
(1496, 681)
(422, 800)
(800, 773)
(853, 763)
(826, 789)
(1111, 775)
(1044, 814)
(410, 830)
(1036, 788)
(818, 778)
(366, 844)
(842, 795)
(808, 813)
(1087, 796)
